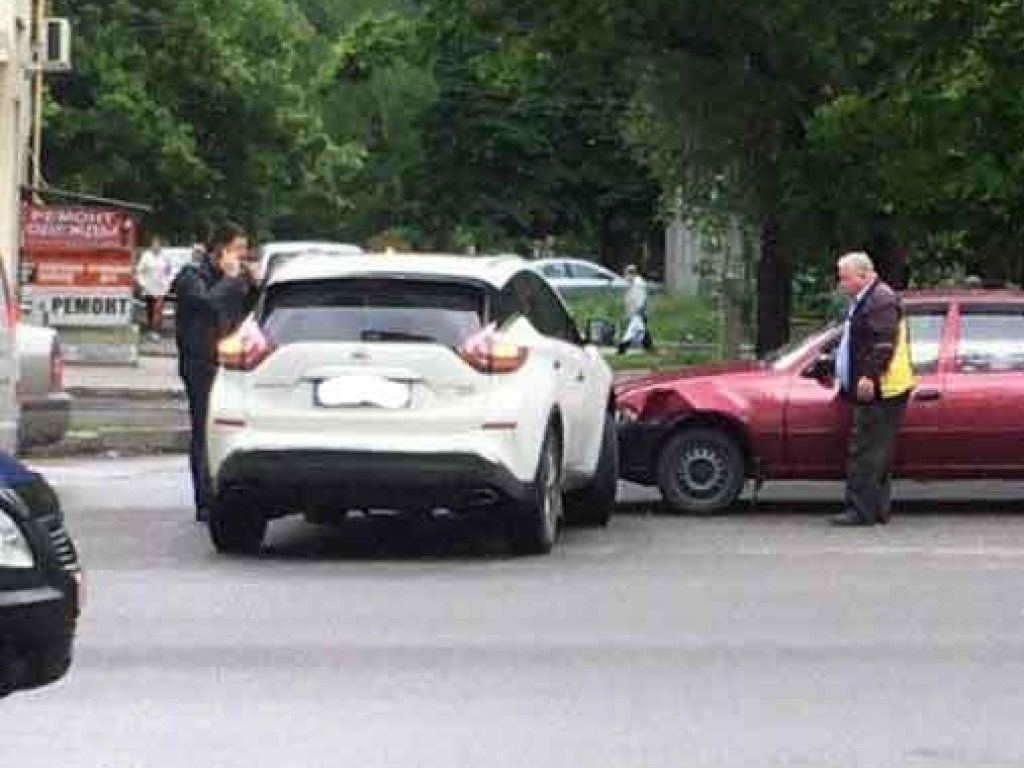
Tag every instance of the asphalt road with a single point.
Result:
(763, 638)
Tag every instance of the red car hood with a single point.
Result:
(691, 372)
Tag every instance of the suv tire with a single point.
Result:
(534, 525)
(237, 526)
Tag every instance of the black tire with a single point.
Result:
(592, 506)
(701, 471)
(534, 525)
(237, 525)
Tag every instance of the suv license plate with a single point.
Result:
(356, 391)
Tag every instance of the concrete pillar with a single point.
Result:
(682, 258)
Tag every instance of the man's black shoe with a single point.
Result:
(850, 519)
(883, 519)
(202, 515)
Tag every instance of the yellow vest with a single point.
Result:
(898, 378)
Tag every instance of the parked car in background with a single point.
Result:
(274, 254)
(699, 433)
(178, 257)
(40, 581)
(411, 383)
(9, 411)
(572, 277)
(45, 406)
(580, 277)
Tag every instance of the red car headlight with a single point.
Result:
(626, 414)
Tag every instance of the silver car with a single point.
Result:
(574, 277)
(45, 406)
(272, 255)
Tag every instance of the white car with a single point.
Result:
(45, 406)
(578, 276)
(410, 383)
(178, 256)
(272, 255)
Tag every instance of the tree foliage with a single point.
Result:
(199, 109)
(891, 125)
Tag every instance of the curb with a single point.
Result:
(119, 442)
(126, 393)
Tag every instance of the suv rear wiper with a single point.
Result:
(386, 335)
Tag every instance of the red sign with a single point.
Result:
(102, 269)
(76, 264)
(75, 228)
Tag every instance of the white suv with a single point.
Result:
(410, 383)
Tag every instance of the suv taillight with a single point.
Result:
(245, 349)
(487, 352)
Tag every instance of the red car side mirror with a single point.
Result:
(823, 368)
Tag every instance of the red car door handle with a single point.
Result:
(927, 395)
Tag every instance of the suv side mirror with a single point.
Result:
(599, 332)
(823, 368)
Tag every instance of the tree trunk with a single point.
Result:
(890, 257)
(774, 290)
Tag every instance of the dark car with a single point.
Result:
(700, 433)
(40, 581)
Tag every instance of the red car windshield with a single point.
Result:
(787, 356)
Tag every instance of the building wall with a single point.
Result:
(15, 122)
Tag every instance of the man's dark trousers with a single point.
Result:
(198, 380)
(869, 464)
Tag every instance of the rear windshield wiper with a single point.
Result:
(386, 335)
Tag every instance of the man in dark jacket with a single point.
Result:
(873, 367)
(214, 294)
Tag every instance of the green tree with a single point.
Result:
(925, 145)
(199, 109)
(524, 144)
(495, 147)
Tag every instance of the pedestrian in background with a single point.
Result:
(214, 294)
(635, 328)
(153, 275)
(875, 376)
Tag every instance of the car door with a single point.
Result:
(983, 401)
(920, 449)
(816, 421)
(570, 363)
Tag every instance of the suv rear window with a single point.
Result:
(373, 311)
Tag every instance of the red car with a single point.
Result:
(701, 433)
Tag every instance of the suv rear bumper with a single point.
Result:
(311, 480)
(37, 628)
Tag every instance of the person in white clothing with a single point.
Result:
(635, 316)
(153, 276)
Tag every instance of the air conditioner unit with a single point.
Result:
(55, 46)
